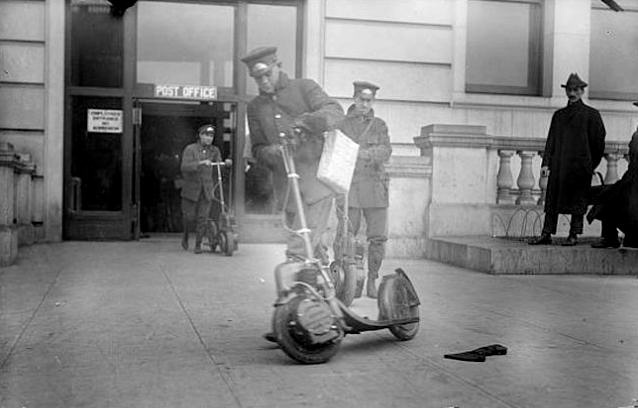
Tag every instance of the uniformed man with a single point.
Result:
(282, 105)
(198, 185)
(574, 148)
(369, 190)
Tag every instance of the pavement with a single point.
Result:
(146, 324)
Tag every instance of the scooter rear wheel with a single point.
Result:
(291, 345)
(345, 281)
(394, 303)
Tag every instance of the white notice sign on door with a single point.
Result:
(104, 121)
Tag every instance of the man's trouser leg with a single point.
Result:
(317, 215)
(377, 234)
(202, 212)
(576, 224)
(550, 223)
(188, 219)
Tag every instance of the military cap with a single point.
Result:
(366, 87)
(206, 129)
(574, 82)
(260, 60)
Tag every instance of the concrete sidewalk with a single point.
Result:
(145, 324)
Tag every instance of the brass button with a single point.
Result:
(282, 134)
(277, 116)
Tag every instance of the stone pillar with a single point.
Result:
(8, 230)
(463, 185)
(409, 193)
(504, 178)
(525, 179)
(23, 172)
(612, 167)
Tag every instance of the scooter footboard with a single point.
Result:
(356, 324)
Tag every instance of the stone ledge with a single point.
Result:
(505, 256)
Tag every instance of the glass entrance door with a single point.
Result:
(165, 130)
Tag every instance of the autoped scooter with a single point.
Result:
(222, 232)
(309, 321)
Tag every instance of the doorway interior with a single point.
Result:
(165, 130)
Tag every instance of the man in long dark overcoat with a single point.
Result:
(575, 145)
(368, 194)
(282, 105)
(616, 205)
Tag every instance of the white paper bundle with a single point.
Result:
(338, 159)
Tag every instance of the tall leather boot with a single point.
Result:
(185, 225)
(376, 252)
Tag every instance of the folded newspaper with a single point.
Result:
(338, 159)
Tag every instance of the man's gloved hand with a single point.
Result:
(311, 124)
(270, 154)
(228, 162)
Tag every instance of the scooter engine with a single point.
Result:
(313, 322)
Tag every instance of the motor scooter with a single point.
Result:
(222, 232)
(309, 321)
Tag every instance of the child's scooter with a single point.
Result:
(222, 232)
(309, 321)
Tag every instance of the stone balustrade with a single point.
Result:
(491, 185)
(20, 205)
(525, 192)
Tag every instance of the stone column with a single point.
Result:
(612, 167)
(464, 173)
(525, 179)
(504, 178)
(8, 230)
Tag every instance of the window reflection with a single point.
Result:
(96, 44)
(261, 20)
(185, 43)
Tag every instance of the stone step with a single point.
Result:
(511, 256)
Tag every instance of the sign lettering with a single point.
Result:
(207, 93)
(104, 121)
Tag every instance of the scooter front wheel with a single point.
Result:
(395, 302)
(345, 281)
(291, 342)
(225, 245)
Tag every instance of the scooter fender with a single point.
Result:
(413, 297)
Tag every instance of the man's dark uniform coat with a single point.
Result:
(270, 116)
(369, 187)
(618, 202)
(198, 178)
(575, 145)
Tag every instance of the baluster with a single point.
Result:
(504, 179)
(612, 167)
(525, 179)
(542, 184)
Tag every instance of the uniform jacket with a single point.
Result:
(270, 116)
(574, 148)
(369, 187)
(619, 201)
(198, 177)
